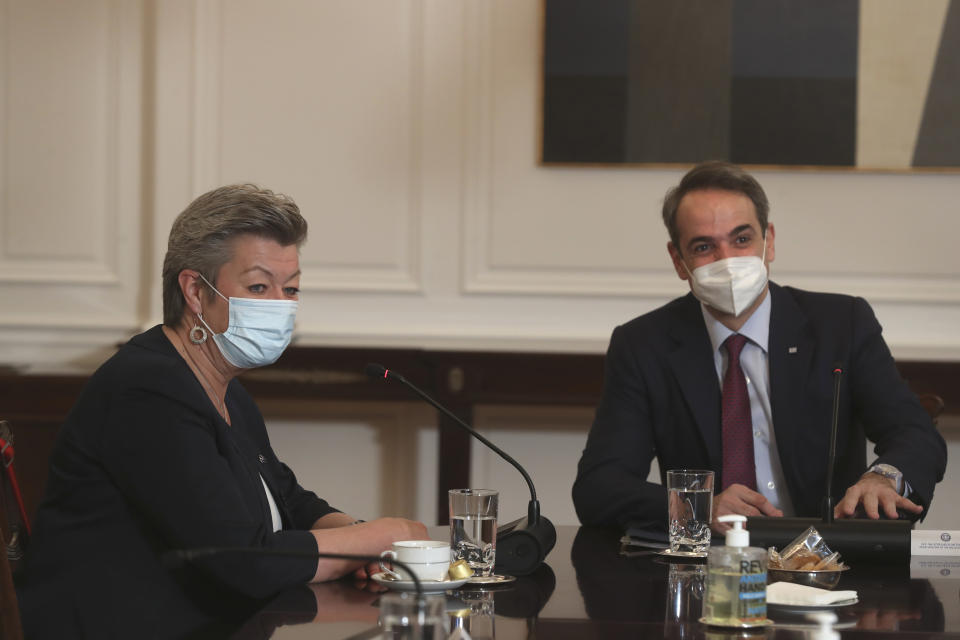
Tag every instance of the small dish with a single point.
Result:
(428, 586)
(744, 625)
(823, 579)
(490, 581)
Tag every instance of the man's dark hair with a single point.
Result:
(714, 175)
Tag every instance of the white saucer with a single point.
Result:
(752, 625)
(491, 580)
(803, 608)
(667, 553)
(428, 586)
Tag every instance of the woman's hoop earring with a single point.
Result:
(198, 335)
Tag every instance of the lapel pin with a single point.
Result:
(791, 350)
(262, 459)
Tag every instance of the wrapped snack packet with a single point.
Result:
(773, 559)
(805, 552)
(831, 561)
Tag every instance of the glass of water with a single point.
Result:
(473, 528)
(685, 593)
(477, 615)
(408, 616)
(689, 506)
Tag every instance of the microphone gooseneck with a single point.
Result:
(874, 541)
(522, 544)
(379, 371)
(831, 460)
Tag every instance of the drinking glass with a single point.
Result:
(407, 616)
(473, 528)
(689, 505)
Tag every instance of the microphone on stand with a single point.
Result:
(828, 504)
(176, 558)
(885, 541)
(523, 543)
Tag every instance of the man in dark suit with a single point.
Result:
(666, 374)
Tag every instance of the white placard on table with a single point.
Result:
(934, 543)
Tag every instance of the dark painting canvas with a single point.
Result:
(832, 83)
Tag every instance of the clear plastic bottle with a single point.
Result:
(736, 593)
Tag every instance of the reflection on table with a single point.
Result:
(589, 589)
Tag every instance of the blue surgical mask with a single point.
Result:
(258, 330)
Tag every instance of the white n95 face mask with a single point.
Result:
(730, 285)
(258, 330)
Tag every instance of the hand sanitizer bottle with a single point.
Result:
(736, 580)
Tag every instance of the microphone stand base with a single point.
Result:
(522, 547)
(879, 541)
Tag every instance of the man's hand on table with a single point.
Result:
(885, 619)
(874, 492)
(742, 500)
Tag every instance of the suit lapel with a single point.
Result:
(791, 349)
(692, 362)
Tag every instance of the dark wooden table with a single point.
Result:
(589, 590)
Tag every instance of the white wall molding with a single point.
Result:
(206, 97)
(71, 117)
(363, 272)
(490, 268)
(408, 133)
(50, 348)
(366, 273)
(478, 105)
(384, 435)
(936, 288)
(402, 278)
(94, 262)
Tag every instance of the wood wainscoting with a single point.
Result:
(36, 405)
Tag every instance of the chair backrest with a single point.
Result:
(933, 404)
(9, 609)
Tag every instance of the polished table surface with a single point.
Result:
(589, 589)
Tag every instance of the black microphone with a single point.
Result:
(828, 503)
(176, 558)
(884, 541)
(523, 543)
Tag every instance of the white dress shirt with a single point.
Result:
(756, 369)
(274, 511)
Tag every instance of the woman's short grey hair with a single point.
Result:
(201, 237)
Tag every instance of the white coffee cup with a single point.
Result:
(428, 559)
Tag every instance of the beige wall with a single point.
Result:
(407, 130)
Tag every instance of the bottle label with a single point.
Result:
(753, 597)
(736, 594)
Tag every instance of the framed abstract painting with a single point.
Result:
(861, 84)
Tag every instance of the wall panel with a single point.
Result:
(69, 175)
(338, 127)
(363, 459)
(408, 132)
(595, 231)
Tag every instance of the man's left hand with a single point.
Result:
(874, 492)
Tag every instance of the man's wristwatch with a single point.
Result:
(891, 472)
